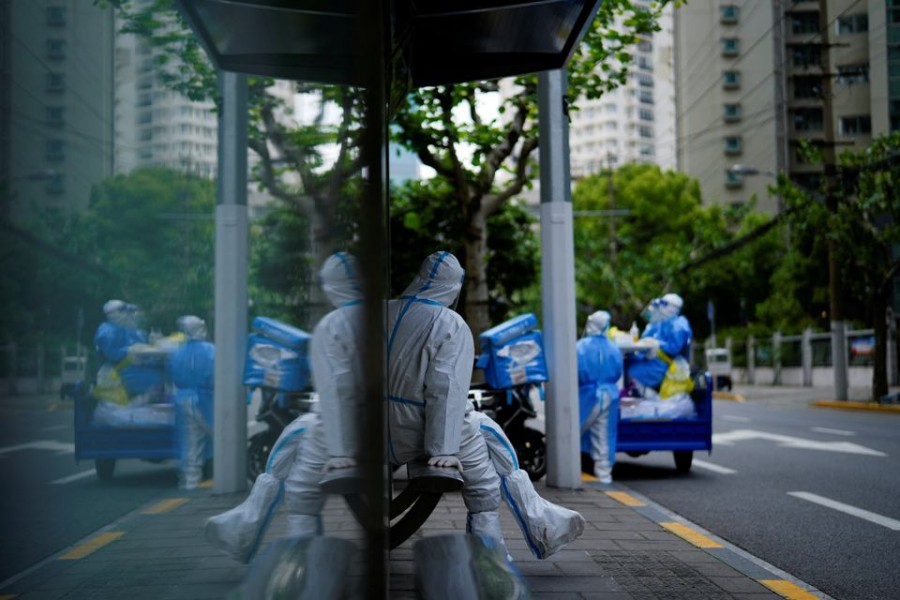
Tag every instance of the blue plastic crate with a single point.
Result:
(515, 362)
(271, 364)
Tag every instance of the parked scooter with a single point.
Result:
(511, 408)
(276, 410)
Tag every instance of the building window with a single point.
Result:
(56, 49)
(856, 125)
(728, 14)
(56, 185)
(645, 132)
(807, 88)
(730, 46)
(731, 113)
(808, 119)
(733, 180)
(645, 80)
(645, 114)
(54, 150)
(734, 144)
(56, 115)
(645, 63)
(806, 56)
(646, 150)
(731, 80)
(646, 97)
(56, 15)
(805, 22)
(852, 74)
(645, 45)
(857, 23)
(56, 83)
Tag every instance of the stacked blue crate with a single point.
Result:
(277, 356)
(512, 353)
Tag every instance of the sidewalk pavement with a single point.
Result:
(858, 398)
(631, 549)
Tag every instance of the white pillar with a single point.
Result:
(230, 412)
(558, 285)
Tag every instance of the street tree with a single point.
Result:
(152, 230)
(863, 221)
(488, 159)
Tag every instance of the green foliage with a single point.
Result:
(153, 229)
(425, 221)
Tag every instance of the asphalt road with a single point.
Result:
(48, 501)
(813, 491)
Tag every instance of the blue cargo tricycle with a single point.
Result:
(637, 437)
(105, 444)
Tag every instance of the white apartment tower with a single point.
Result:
(55, 104)
(757, 77)
(634, 123)
(155, 126)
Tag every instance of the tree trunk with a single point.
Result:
(476, 307)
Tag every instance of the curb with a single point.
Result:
(767, 575)
(848, 405)
(727, 396)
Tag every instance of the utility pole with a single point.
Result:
(612, 211)
(835, 284)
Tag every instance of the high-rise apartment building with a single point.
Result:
(56, 103)
(635, 122)
(156, 126)
(756, 78)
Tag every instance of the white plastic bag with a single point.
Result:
(547, 526)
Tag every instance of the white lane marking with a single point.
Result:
(833, 431)
(787, 441)
(72, 478)
(850, 510)
(55, 428)
(52, 445)
(714, 468)
(736, 419)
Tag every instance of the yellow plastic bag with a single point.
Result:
(109, 386)
(677, 380)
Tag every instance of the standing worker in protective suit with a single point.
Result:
(672, 331)
(119, 380)
(599, 370)
(192, 370)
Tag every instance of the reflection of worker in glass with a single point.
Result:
(191, 371)
(672, 331)
(119, 378)
(599, 369)
(430, 357)
(316, 441)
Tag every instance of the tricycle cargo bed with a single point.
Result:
(645, 435)
(92, 441)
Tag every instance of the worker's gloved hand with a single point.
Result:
(339, 462)
(445, 462)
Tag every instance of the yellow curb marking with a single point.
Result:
(625, 498)
(728, 396)
(685, 532)
(788, 590)
(206, 485)
(92, 546)
(7, 597)
(588, 477)
(857, 405)
(165, 505)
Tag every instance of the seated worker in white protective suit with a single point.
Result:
(191, 370)
(312, 444)
(599, 370)
(672, 331)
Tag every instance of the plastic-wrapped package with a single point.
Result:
(149, 415)
(286, 335)
(678, 406)
(513, 353)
